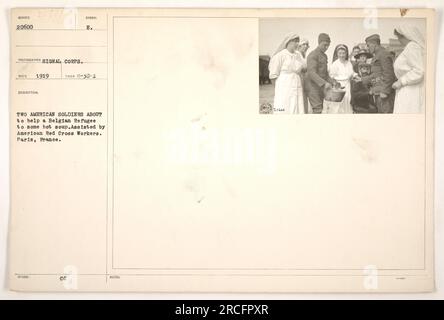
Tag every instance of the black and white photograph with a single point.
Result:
(341, 65)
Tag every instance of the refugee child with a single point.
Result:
(362, 99)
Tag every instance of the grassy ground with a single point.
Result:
(266, 95)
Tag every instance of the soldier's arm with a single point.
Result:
(388, 75)
(312, 68)
(331, 80)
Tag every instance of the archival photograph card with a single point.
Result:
(222, 150)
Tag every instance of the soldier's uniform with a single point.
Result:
(382, 78)
(317, 76)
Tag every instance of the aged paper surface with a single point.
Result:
(140, 162)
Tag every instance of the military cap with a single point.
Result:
(323, 37)
(373, 37)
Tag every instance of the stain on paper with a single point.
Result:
(366, 149)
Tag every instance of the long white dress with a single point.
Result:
(341, 72)
(288, 95)
(409, 69)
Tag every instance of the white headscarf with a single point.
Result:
(412, 33)
(287, 39)
(303, 41)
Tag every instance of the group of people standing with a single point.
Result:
(372, 79)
